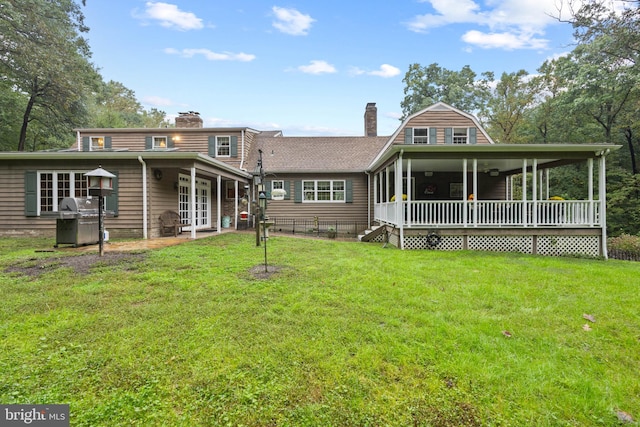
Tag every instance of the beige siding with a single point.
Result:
(441, 120)
(355, 211)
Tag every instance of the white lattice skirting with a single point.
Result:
(541, 245)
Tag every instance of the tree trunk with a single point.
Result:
(628, 134)
(25, 123)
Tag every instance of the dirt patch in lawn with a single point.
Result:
(258, 272)
(81, 264)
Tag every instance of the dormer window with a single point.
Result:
(420, 135)
(460, 135)
(223, 146)
(159, 142)
(97, 143)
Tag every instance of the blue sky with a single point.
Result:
(308, 67)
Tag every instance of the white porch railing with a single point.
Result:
(568, 213)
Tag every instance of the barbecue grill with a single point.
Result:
(78, 222)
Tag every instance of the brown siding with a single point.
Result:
(440, 120)
(189, 141)
(355, 211)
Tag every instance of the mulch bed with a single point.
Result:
(82, 264)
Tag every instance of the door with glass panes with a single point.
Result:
(203, 202)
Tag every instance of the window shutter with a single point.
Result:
(348, 196)
(473, 135)
(212, 146)
(148, 143)
(107, 143)
(448, 135)
(234, 146)
(86, 144)
(171, 142)
(408, 135)
(31, 193)
(297, 191)
(267, 189)
(433, 135)
(111, 201)
(287, 188)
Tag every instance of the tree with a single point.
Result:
(116, 106)
(505, 110)
(425, 86)
(45, 59)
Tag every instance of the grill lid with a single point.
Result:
(73, 207)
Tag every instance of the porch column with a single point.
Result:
(409, 192)
(192, 208)
(398, 191)
(235, 213)
(534, 192)
(547, 186)
(465, 204)
(219, 204)
(524, 192)
(602, 195)
(590, 178)
(475, 192)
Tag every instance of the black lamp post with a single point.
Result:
(100, 183)
(262, 203)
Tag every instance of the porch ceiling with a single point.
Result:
(484, 165)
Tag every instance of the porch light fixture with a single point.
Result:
(428, 173)
(494, 172)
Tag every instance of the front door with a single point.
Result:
(203, 202)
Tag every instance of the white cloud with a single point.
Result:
(170, 16)
(157, 101)
(506, 41)
(318, 67)
(512, 24)
(292, 22)
(211, 55)
(385, 71)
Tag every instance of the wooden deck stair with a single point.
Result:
(371, 233)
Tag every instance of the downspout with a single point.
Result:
(145, 218)
(242, 155)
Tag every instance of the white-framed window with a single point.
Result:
(223, 146)
(460, 135)
(159, 143)
(323, 191)
(277, 185)
(53, 186)
(96, 143)
(420, 135)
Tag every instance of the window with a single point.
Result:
(159, 142)
(420, 135)
(97, 143)
(55, 186)
(223, 146)
(277, 185)
(323, 191)
(459, 135)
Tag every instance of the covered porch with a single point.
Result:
(489, 190)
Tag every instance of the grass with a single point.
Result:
(343, 334)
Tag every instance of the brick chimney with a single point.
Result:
(371, 120)
(190, 119)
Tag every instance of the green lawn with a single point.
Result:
(343, 334)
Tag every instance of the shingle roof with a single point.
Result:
(309, 154)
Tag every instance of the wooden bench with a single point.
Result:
(170, 222)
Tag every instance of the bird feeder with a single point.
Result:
(100, 182)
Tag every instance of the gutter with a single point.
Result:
(242, 155)
(145, 218)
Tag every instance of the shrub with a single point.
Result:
(624, 246)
